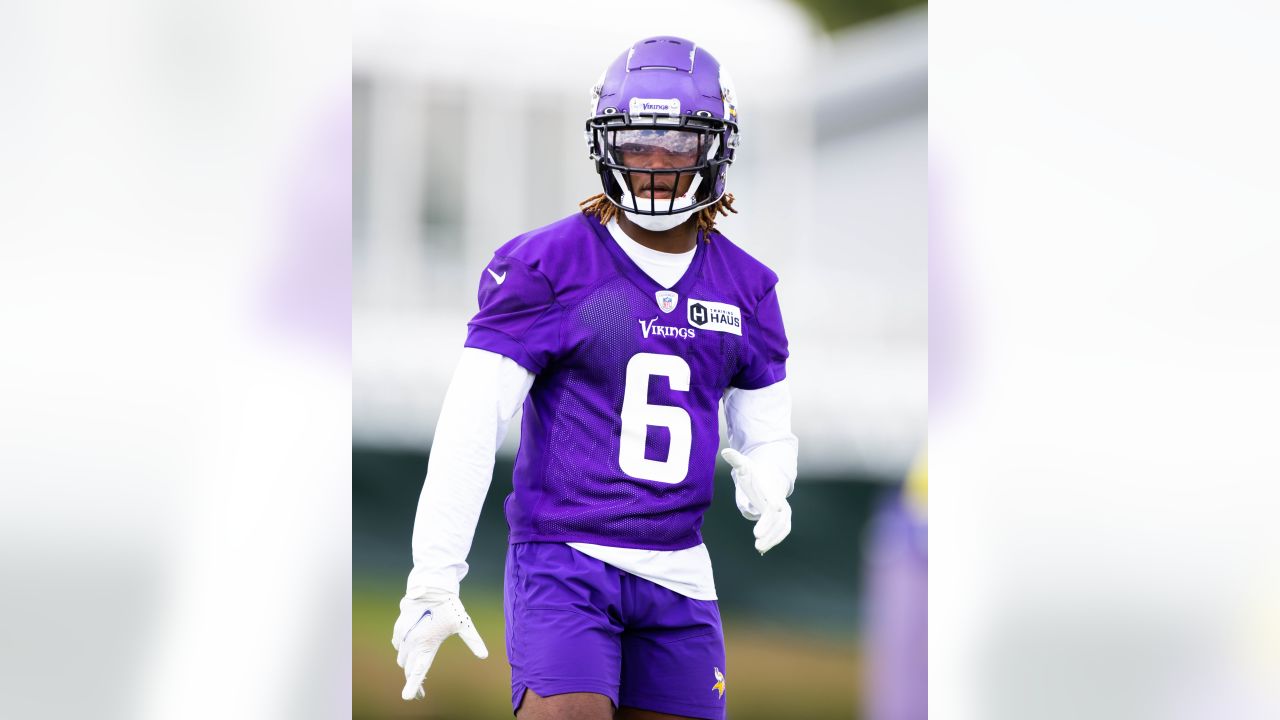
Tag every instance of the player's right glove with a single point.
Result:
(422, 626)
(765, 497)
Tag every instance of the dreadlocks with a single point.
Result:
(606, 211)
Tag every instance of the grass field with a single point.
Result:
(774, 673)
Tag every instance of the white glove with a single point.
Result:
(422, 626)
(766, 498)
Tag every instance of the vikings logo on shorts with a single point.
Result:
(667, 300)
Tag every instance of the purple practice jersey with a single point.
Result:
(621, 427)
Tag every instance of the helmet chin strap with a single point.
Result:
(658, 223)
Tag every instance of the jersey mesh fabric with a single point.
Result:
(730, 346)
(600, 315)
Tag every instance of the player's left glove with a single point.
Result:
(765, 493)
(422, 626)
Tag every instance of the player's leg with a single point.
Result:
(673, 655)
(630, 713)
(563, 636)
(568, 706)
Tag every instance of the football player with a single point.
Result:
(619, 329)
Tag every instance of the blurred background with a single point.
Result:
(467, 130)
(174, 379)
(175, 391)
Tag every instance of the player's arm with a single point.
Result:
(762, 452)
(762, 449)
(486, 391)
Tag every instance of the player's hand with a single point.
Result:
(765, 496)
(420, 630)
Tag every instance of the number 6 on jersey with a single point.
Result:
(638, 415)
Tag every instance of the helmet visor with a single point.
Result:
(657, 148)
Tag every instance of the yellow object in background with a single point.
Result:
(916, 488)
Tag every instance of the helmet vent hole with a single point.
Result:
(610, 111)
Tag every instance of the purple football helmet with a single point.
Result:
(663, 115)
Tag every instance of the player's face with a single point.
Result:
(659, 149)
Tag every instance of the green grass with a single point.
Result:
(776, 673)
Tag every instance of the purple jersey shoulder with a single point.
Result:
(737, 273)
(542, 244)
(566, 252)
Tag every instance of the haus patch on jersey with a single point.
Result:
(667, 300)
(720, 317)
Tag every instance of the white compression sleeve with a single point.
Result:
(486, 391)
(760, 427)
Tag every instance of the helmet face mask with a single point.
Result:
(663, 128)
(658, 170)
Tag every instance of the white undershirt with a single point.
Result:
(666, 269)
(483, 397)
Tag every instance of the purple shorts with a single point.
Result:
(576, 624)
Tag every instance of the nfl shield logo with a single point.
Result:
(667, 300)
